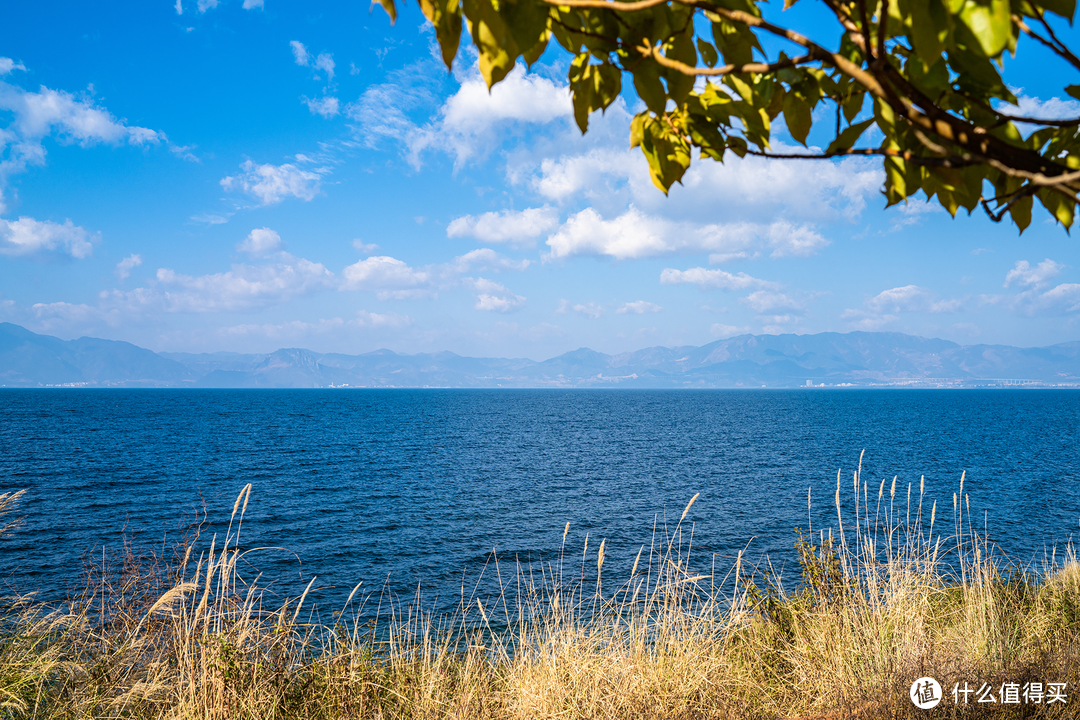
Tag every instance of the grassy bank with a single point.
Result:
(890, 593)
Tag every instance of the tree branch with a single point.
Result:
(685, 69)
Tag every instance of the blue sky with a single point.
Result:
(245, 175)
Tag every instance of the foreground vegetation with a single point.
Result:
(884, 598)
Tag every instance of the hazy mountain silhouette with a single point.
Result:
(858, 358)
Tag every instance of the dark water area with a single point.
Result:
(400, 487)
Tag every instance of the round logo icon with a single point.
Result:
(925, 693)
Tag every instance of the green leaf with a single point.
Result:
(667, 153)
(847, 139)
(797, 115)
(680, 84)
(648, 85)
(526, 20)
(735, 42)
(1058, 205)
(1020, 212)
(533, 54)
(581, 88)
(990, 21)
(708, 53)
(594, 87)
(1073, 90)
(853, 105)
(1064, 8)
(929, 28)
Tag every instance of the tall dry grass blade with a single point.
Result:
(688, 506)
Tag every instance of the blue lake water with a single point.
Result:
(419, 486)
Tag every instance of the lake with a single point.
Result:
(408, 487)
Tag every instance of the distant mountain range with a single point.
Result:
(831, 359)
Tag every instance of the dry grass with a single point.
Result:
(884, 598)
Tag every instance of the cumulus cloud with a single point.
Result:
(37, 115)
(270, 184)
(1032, 107)
(393, 279)
(389, 277)
(364, 247)
(260, 241)
(244, 286)
(124, 267)
(635, 235)
(517, 228)
(27, 236)
(493, 297)
(1025, 275)
(886, 307)
(327, 106)
(1037, 297)
(718, 279)
(463, 124)
(638, 307)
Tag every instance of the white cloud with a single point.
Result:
(483, 259)
(204, 5)
(719, 279)
(364, 247)
(867, 321)
(324, 61)
(885, 307)
(1032, 107)
(252, 4)
(638, 307)
(635, 235)
(389, 277)
(394, 279)
(270, 184)
(589, 310)
(493, 297)
(327, 106)
(463, 125)
(211, 219)
(300, 53)
(725, 331)
(768, 301)
(518, 228)
(243, 287)
(37, 115)
(326, 326)
(27, 236)
(909, 298)
(124, 267)
(1037, 277)
(7, 65)
(260, 241)
(179, 8)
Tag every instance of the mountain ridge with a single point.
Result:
(861, 359)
